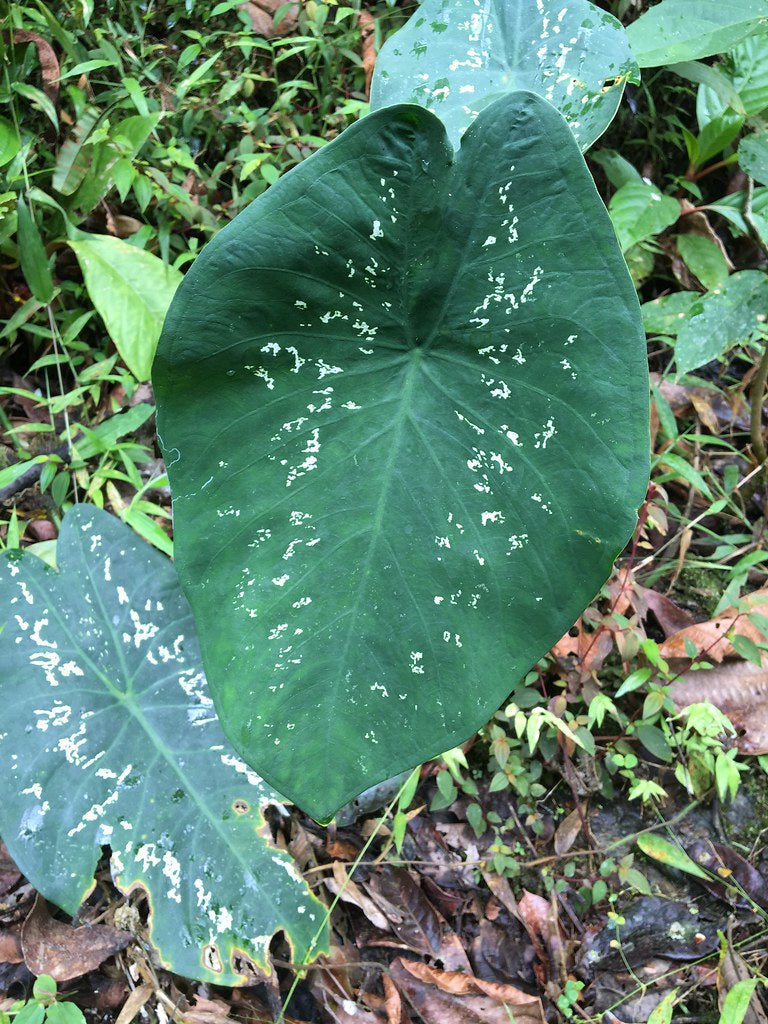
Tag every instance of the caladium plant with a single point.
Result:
(457, 56)
(110, 739)
(432, 441)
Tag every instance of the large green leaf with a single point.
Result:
(678, 30)
(639, 211)
(457, 56)
(131, 290)
(731, 314)
(428, 442)
(109, 737)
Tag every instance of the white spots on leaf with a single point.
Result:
(277, 631)
(172, 871)
(143, 631)
(527, 292)
(280, 581)
(438, 599)
(58, 715)
(377, 231)
(302, 602)
(351, 406)
(491, 517)
(546, 434)
(443, 542)
(35, 790)
(516, 541)
(470, 424)
(36, 638)
(25, 591)
(478, 558)
(417, 667)
(540, 501)
(456, 638)
(300, 304)
(380, 688)
(490, 240)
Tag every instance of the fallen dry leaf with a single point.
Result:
(734, 969)
(135, 1003)
(454, 997)
(414, 919)
(740, 690)
(55, 948)
(583, 651)
(343, 887)
(367, 24)
(710, 638)
(262, 17)
(10, 946)
(568, 830)
(49, 64)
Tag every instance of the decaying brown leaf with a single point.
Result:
(49, 64)
(568, 830)
(583, 651)
(710, 638)
(733, 969)
(135, 1003)
(740, 690)
(343, 887)
(453, 997)
(367, 24)
(262, 17)
(55, 948)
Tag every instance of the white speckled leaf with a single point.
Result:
(430, 440)
(455, 57)
(109, 738)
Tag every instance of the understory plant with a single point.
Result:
(431, 356)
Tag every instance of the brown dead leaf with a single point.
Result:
(49, 64)
(710, 638)
(414, 919)
(568, 830)
(55, 948)
(135, 1003)
(392, 1002)
(348, 891)
(367, 24)
(583, 651)
(727, 410)
(10, 946)
(669, 616)
(734, 969)
(262, 16)
(740, 690)
(455, 997)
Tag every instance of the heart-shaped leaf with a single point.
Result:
(430, 438)
(455, 57)
(109, 738)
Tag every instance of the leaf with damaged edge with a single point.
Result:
(110, 739)
(435, 440)
(455, 57)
